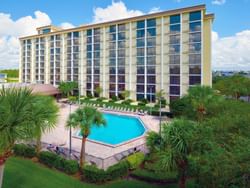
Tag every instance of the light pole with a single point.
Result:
(79, 89)
(70, 132)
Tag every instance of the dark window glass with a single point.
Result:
(112, 70)
(195, 69)
(121, 87)
(151, 41)
(151, 60)
(174, 49)
(151, 79)
(112, 29)
(96, 78)
(174, 80)
(140, 60)
(112, 87)
(97, 31)
(151, 89)
(89, 32)
(140, 33)
(121, 44)
(140, 42)
(89, 55)
(195, 26)
(151, 97)
(140, 70)
(151, 22)
(96, 70)
(76, 34)
(151, 70)
(193, 80)
(89, 40)
(140, 24)
(140, 88)
(121, 61)
(121, 36)
(112, 37)
(175, 19)
(121, 70)
(195, 48)
(174, 69)
(112, 45)
(151, 32)
(112, 79)
(175, 29)
(139, 97)
(112, 53)
(140, 79)
(112, 62)
(151, 51)
(195, 37)
(97, 39)
(194, 59)
(140, 51)
(174, 39)
(121, 27)
(174, 59)
(193, 16)
(121, 79)
(174, 90)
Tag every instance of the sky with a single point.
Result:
(231, 27)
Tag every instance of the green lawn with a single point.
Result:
(22, 173)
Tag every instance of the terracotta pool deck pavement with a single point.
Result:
(60, 135)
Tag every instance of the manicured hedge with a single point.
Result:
(94, 175)
(24, 150)
(155, 177)
(56, 161)
(135, 160)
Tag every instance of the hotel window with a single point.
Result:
(39, 59)
(55, 59)
(146, 57)
(195, 48)
(117, 57)
(174, 56)
(26, 60)
(93, 60)
(73, 51)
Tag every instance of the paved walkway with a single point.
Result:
(60, 135)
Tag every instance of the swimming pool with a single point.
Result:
(119, 129)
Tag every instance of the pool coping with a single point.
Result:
(122, 143)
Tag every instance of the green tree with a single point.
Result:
(44, 116)
(125, 94)
(177, 140)
(84, 119)
(98, 91)
(233, 86)
(66, 88)
(16, 120)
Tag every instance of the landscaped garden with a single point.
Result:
(205, 144)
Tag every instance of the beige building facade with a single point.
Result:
(168, 51)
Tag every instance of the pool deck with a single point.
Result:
(60, 135)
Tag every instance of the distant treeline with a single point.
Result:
(11, 73)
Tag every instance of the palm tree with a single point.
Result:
(16, 121)
(200, 97)
(85, 118)
(125, 94)
(67, 88)
(98, 91)
(176, 144)
(44, 116)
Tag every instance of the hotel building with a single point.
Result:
(168, 51)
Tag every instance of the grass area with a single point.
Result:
(22, 173)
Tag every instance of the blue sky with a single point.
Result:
(231, 27)
(231, 17)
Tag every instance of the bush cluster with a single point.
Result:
(24, 150)
(135, 160)
(55, 161)
(94, 175)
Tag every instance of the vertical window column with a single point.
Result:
(174, 56)
(39, 60)
(55, 59)
(26, 60)
(195, 48)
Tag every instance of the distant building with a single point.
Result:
(3, 77)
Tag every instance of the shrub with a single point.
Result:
(49, 159)
(58, 162)
(127, 102)
(145, 101)
(118, 170)
(114, 98)
(94, 175)
(141, 104)
(162, 177)
(135, 160)
(24, 150)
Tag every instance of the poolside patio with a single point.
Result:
(102, 155)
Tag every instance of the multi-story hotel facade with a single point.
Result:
(168, 51)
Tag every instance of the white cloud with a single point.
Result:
(11, 30)
(66, 25)
(218, 2)
(154, 10)
(117, 10)
(231, 53)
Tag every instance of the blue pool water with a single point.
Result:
(117, 130)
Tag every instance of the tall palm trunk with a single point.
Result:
(82, 156)
(38, 144)
(1, 174)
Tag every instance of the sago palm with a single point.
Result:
(84, 119)
(44, 116)
(177, 138)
